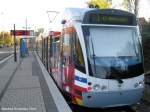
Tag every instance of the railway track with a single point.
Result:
(76, 108)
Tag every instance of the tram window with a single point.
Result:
(66, 40)
(78, 56)
(66, 45)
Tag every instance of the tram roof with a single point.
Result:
(83, 14)
(75, 14)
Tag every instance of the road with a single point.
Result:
(4, 52)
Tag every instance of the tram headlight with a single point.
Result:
(96, 87)
(139, 84)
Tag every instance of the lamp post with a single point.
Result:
(26, 27)
(26, 34)
(15, 53)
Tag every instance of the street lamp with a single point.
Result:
(26, 27)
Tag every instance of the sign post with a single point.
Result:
(15, 53)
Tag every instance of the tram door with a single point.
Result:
(55, 54)
(47, 42)
(66, 59)
(42, 50)
(45, 52)
(50, 54)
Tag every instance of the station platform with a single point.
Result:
(26, 86)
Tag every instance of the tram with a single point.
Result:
(97, 59)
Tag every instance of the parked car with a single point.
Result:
(1, 46)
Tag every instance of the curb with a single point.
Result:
(5, 59)
(59, 100)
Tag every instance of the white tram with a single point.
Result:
(100, 58)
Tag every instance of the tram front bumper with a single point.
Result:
(112, 98)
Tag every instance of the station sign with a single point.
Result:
(22, 32)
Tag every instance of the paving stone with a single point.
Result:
(25, 90)
(24, 98)
(25, 69)
(6, 72)
(24, 82)
(24, 73)
(8, 69)
(48, 99)
(3, 82)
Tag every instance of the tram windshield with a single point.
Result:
(113, 52)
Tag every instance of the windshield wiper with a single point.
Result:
(93, 55)
(120, 81)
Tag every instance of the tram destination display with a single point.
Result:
(110, 19)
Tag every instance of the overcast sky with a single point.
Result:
(16, 11)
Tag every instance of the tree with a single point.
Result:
(1, 38)
(6, 39)
(131, 6)
(145, 30)
(99, 4)
(136, 7)
(39, 30)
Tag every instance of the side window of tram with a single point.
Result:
(78, 56)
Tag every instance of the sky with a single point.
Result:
(35, 11)
(16, 12)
